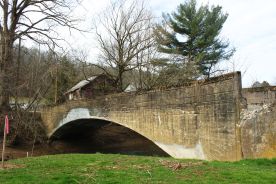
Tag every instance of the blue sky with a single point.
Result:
(250, 28)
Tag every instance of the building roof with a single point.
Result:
(130, 88)
(81, 84)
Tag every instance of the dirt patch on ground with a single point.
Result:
(11, 166)
(177, 165)
(14, 152)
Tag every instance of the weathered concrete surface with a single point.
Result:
(259, 95)
(196, 121)
(258, 122)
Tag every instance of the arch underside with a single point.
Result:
(98, 135)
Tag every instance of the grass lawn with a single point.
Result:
(102, 168)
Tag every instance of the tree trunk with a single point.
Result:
(120, 79)
(6, 71)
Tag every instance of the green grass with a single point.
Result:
(100, 168)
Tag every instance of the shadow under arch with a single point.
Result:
(98, 135)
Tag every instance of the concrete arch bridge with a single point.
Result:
(200, 120)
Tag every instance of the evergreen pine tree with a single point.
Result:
(191, 35)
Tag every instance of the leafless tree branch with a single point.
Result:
(124, 32)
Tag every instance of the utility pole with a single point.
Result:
(4, 145)
(6, 131)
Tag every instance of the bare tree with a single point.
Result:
(124, 34)
(31, 19)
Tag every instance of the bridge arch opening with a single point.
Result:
(97, 135)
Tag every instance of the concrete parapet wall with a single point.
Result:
(259, 95)
(200, 120)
